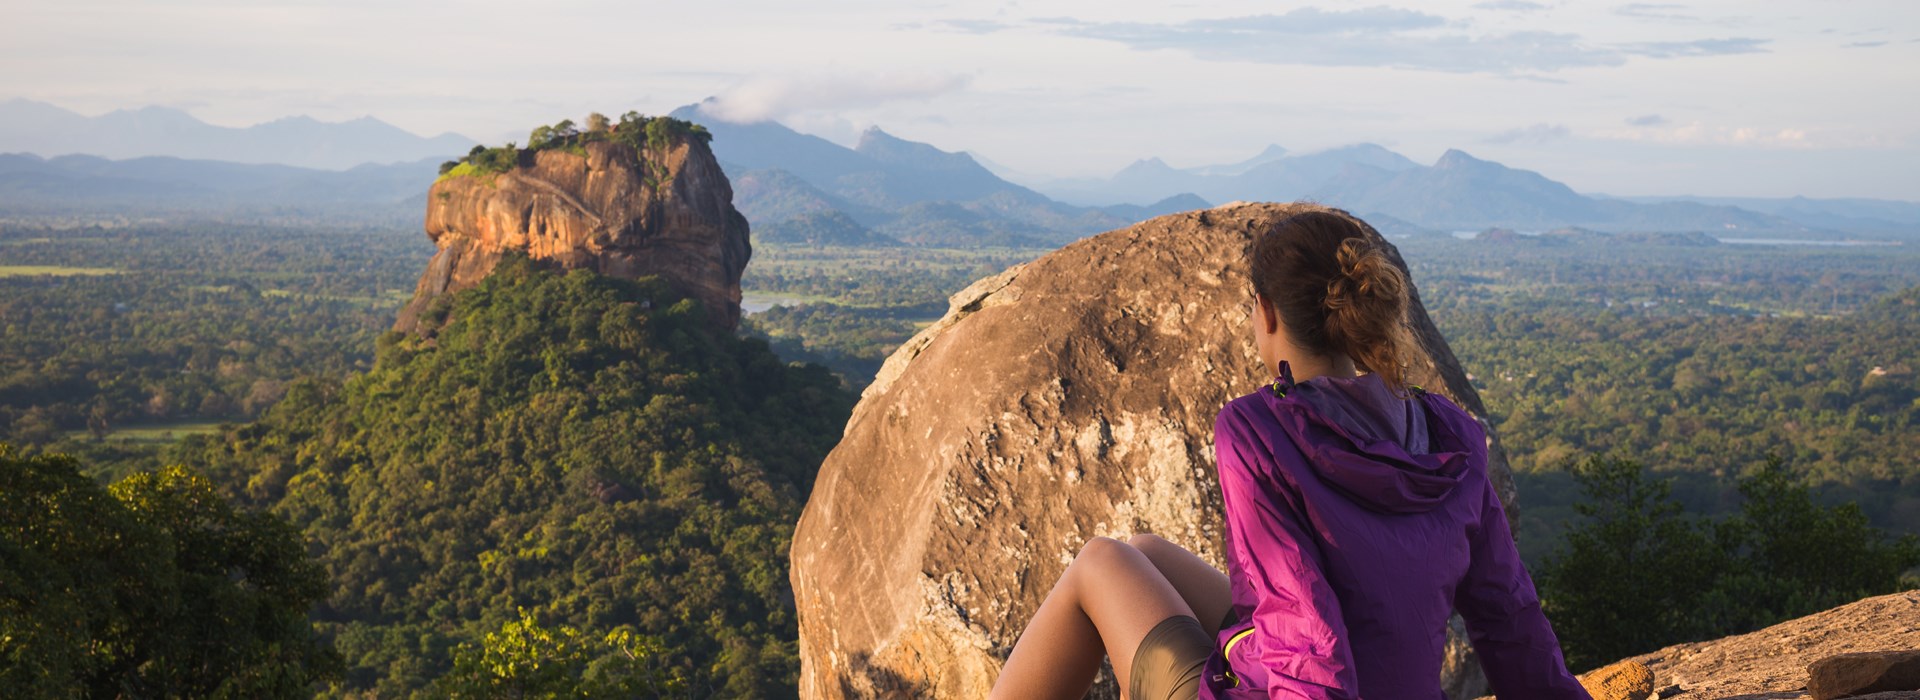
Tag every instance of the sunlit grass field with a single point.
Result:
(153, 433)
(54, 271)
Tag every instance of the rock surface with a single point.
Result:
(1626, 680)
(615, 210)
(1849, 675)
(1066, 398)
(1772, 663)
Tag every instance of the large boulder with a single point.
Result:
(1066, 398)
(663, 210)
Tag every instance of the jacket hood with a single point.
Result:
(1388, 453)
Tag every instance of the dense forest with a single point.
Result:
(113, 334)
(1699, 361)
(155, 587)
(1638, 573)
(586, 448)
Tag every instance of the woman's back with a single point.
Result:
(1357, 522)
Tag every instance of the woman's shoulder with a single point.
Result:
(1250, 434)
(1440, 407)
(1254, 412)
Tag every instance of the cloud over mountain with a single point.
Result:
(772, 97)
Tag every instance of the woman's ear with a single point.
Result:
(1269, 317)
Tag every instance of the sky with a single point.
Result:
(1722, 97)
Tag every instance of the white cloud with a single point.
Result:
(770, 97)
(1534, 134)
(1646, 10)
(1510, 6)
(1388, 37)
(1701, 134)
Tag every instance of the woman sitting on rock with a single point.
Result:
(1358, 517)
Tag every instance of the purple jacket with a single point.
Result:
(1357, 521)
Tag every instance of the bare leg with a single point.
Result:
(1203, 587)
(1105, 603)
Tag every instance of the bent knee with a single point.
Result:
(1146, 541)
(1101, 548)
(1104, 554)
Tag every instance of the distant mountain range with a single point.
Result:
(30, 184)
(1871, 216)
(1457, 192)
(801, 188)
(46, 130)
(1274, 174)
(901, 190)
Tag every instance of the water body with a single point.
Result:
(1469, 235)
(756, 303)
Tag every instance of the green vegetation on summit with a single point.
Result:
(634, 129)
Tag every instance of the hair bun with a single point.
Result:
(1338, 290)
(1366, 274)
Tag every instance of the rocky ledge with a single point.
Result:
(1773, 663)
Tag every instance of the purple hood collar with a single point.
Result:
(1387, 452)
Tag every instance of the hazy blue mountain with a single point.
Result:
(30, 184)
(1294, 177)
(46, 130)
(924, 173)
(1461, 192)
(1272, 175)
(769, 195)
(1458, 191)
(772, 145)
(821, 228)
(952, 224)
(1271, 153)
(886, 185)
(882, 171)
(1853, 215)
(908, 190)
(1148, 180)
(1171, 205)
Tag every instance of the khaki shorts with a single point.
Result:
(1170, 661)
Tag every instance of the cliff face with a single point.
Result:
(616, 210)
(1070, 397)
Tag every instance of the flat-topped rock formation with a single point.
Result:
(1066, 398)
(665, 209)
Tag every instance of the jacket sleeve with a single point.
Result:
(1516, 645)
(1299, 639)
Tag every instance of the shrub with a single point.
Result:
(1636, 574)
